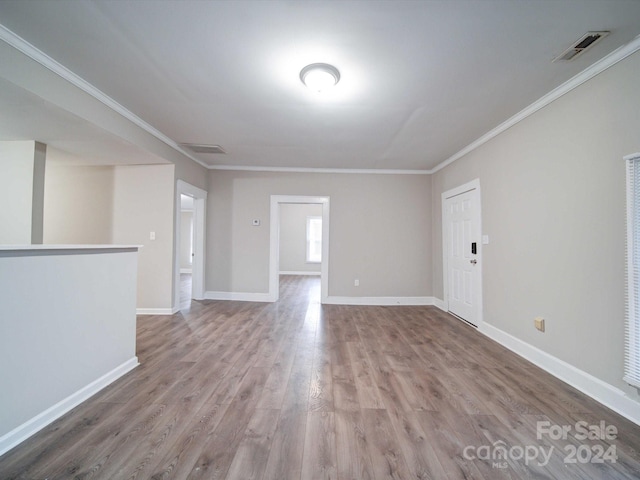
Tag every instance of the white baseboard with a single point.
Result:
(299, 273)
(155, 311)
(186, 270)
(610, 396)
(334, 300)
(331, 300)
(37, 423)
(439, 303)
(239, 296)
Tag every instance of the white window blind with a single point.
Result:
(314, 239)
(632, 331)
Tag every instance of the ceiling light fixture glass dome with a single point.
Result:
(319, 76)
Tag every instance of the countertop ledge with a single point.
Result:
(8, 249)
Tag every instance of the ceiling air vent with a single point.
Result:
(588, 40)
(201, 148)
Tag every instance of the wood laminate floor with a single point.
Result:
(296, 390)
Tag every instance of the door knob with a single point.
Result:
(474, 261)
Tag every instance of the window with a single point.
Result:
(632, 334)
(314, 239)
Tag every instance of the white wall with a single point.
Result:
(553, 204)
(380, 231)
(28, 74)
(21, 175)
(78, 204)
(78, 336)
(293, 237)
(144, 203)
(117, 205)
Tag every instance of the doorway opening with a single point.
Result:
(300, 248)
(189, 231)
(312, 218)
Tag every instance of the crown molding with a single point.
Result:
(587, 74)
(46, 61)
(319, 170)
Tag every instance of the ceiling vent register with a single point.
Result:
(585, 42)
(202, 148)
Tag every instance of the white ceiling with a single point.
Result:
(420, 80)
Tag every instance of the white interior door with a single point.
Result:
(462, 237)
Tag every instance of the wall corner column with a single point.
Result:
(37, 201)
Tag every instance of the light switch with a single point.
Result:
(485, 239)
(152, 235)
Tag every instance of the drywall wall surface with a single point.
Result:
(78, 204)
(82, 327)
(380, 230)
(293, 237)
(553, 205)
(189, 171)
(16, 191)
(37, 194)
(144, 203)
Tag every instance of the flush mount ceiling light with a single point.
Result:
(319, 76)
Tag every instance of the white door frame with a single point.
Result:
(472, 185)
(199, 215)
(274, 241)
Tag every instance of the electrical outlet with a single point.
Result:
(539, 323)
(356, 283)
(152, 235)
